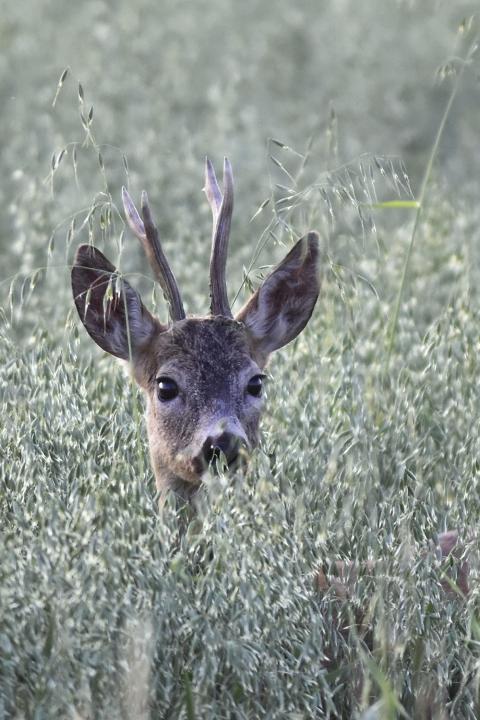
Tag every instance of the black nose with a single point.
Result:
(227, 443)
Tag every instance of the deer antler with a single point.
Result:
(147, 233)
(222, 208)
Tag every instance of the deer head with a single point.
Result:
(202, 376)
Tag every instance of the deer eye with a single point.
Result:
(255, 385)
(167, 388)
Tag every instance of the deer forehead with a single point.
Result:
(205, 353)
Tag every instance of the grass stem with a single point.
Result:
(392, 332)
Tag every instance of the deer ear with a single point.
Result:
(111, 310)
(281, 307)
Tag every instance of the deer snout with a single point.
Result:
(227, 444)
(226, 439)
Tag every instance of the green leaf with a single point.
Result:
(408, 204)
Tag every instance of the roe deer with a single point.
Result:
(202, 376)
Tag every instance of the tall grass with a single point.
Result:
(110, 609)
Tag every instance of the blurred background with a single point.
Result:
(162, 84)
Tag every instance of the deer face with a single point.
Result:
(203, 383)
(202, 377)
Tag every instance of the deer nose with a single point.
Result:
(227, 443)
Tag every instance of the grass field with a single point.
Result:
(370, 444)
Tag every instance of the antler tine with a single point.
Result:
(147, 233)
(212, 189)
(222, 209)
(134, 220)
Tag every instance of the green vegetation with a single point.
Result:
(371, 443)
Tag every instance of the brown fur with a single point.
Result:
(211, 359)
(207, 358)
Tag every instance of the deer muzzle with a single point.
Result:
(225, 443)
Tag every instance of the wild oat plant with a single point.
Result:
(112, 608)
